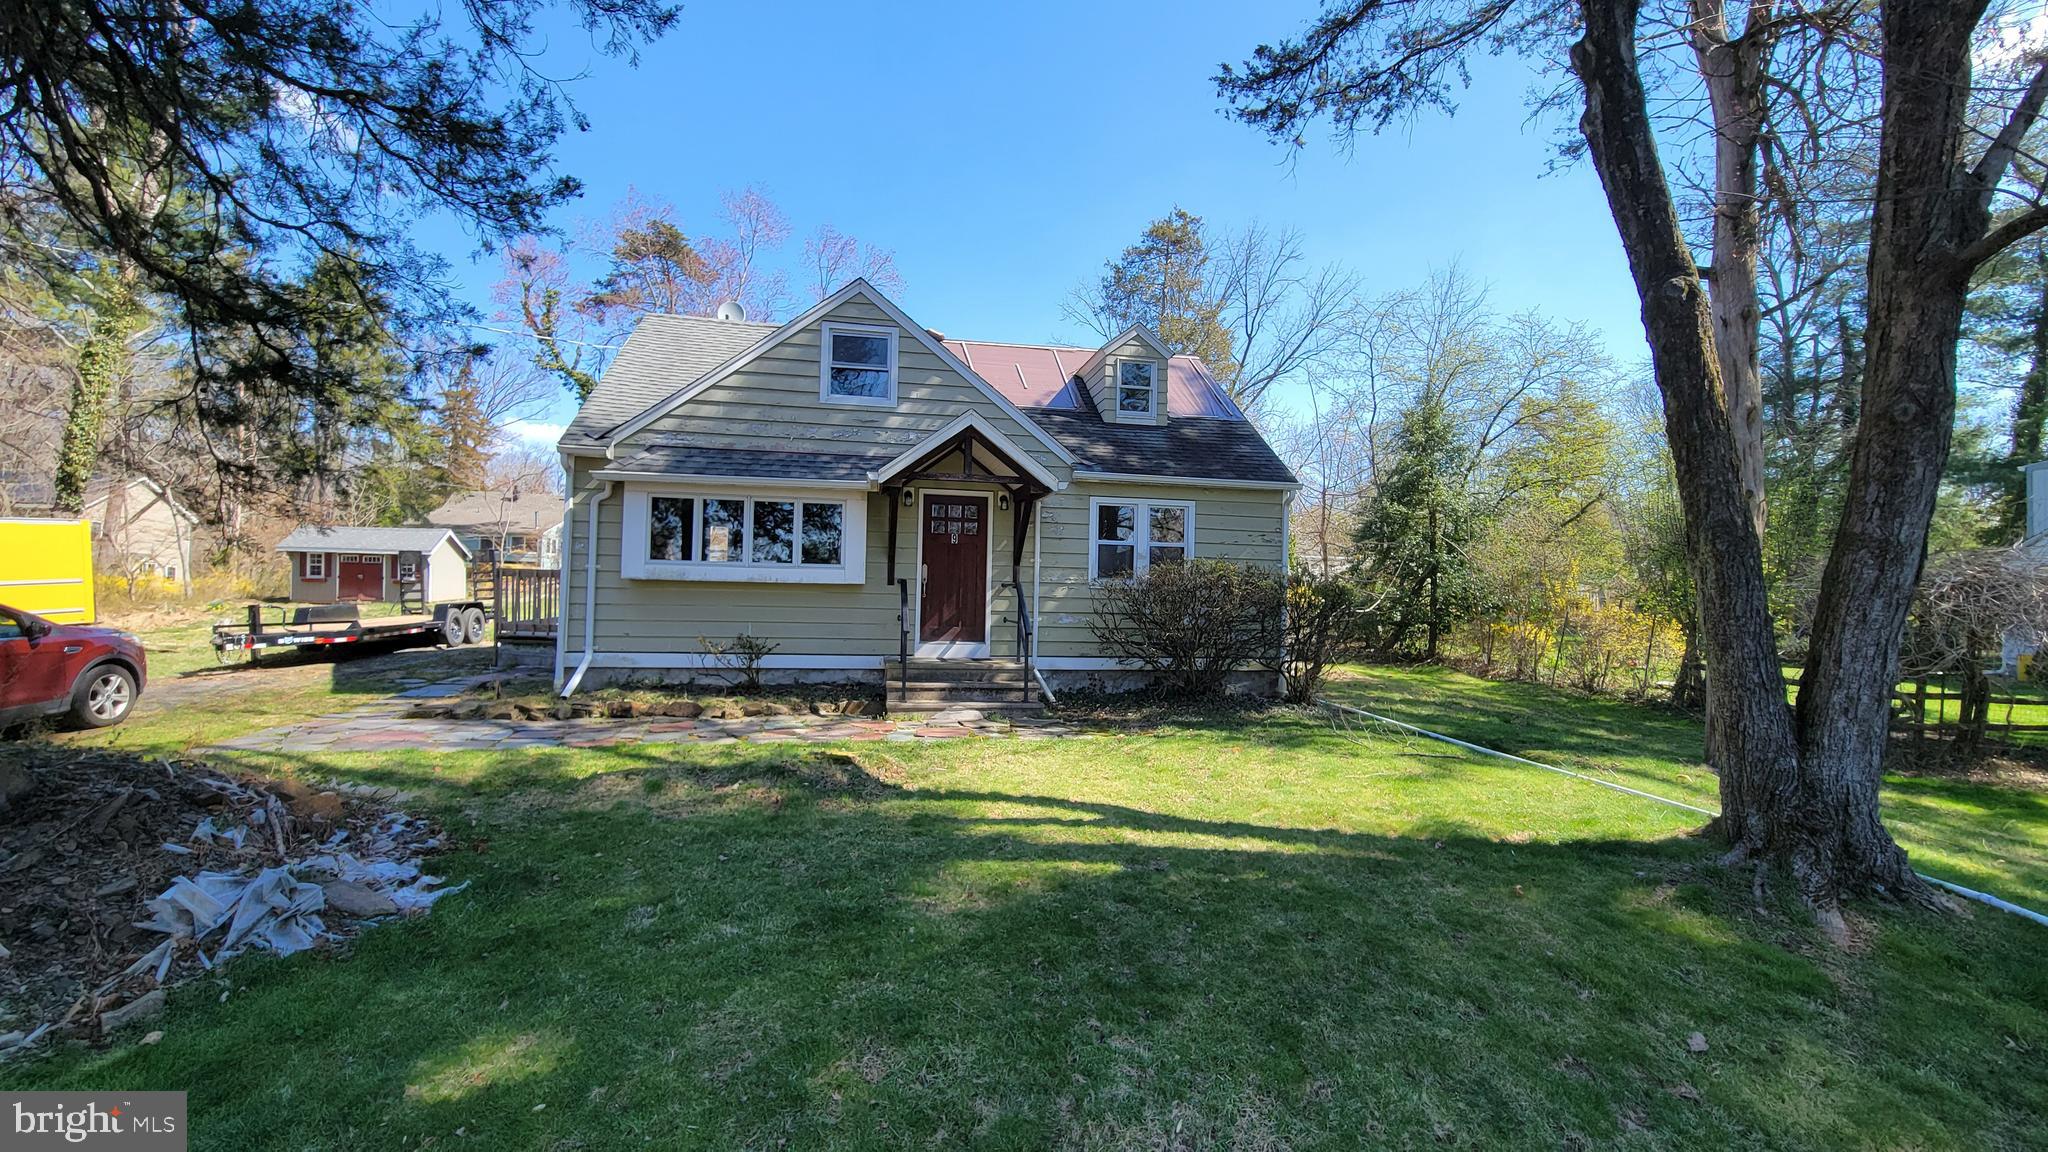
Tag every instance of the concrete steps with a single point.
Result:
(948, 685)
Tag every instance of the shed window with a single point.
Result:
(858, 365)
(316, 565)
(1129, 536)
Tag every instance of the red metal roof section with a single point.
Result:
(1036, 376)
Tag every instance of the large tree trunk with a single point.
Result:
(1745, 697)
(1804, 789)
(1929, 212)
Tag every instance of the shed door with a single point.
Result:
(362, 577)
(954, 603)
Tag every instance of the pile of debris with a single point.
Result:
(120, 875)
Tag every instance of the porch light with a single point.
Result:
(909, 498)
(1002, 502)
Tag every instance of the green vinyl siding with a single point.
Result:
(773, 404)
(1238, 524)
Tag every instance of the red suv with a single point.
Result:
(94, 674)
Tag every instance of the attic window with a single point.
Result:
(1134, 386)
(857, 365)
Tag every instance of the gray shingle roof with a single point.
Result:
(684, 461)
(312, 539)
(1196, 447)
(538, 508)
(667, 353)
(664, 354)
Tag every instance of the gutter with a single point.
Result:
(1081, 474)
(589, 596)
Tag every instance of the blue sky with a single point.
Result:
(1003, 152)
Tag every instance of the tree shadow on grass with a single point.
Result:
(777, 944)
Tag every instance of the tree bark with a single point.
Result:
(1929, 212)
(1802, 785)
(1732, 69)
(1746, 703)
(1689, 683)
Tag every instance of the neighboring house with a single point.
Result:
(138, 527)
(331, 565)
(517, 526)
(2017, 643)
(799, 482)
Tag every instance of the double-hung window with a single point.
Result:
(710, 536)
(316, 565)
(1129, 536)
(857, 364)
(1135, 387)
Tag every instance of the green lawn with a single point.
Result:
(1226, 932)
(1982, 837)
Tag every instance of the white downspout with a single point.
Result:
(562, 568)
(1037, 621)
(589, 595)
(1286, 559)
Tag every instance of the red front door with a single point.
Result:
(362, 578)
(954, 599)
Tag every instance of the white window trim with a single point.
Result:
(1141, 531)
(825, 393)
(1116, 388)
(310, 558)
(635, 564)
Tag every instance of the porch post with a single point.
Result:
(895, 501)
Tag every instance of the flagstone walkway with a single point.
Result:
(384, 726)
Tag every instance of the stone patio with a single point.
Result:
(384, 726)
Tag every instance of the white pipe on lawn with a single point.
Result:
(589, 595)
(1958, 889)
(1485, 751)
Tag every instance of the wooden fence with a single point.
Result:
(528, 602)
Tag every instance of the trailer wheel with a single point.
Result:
(473, 625)
(451, 628)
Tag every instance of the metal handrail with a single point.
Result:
(902, 641)
(1025, 630)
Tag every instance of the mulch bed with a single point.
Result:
(83, 849)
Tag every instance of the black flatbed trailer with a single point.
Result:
(453, 623)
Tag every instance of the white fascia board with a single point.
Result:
(1135, 332)
(954, 427)
(816, 313)
(1183, 481)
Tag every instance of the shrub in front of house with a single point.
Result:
(1192, 624)
(1329, 621)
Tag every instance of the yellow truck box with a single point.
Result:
(46, 568)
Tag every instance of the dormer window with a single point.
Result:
(1135, 380)
(857, 365)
